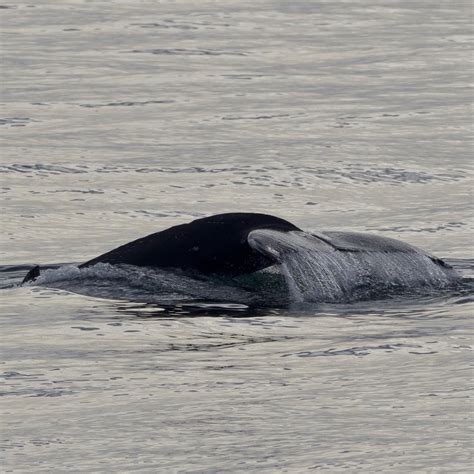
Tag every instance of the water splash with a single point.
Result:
(316, 271)
(133, 283)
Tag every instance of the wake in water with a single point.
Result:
(314, 268)
(154, 285)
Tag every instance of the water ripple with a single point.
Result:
(279, 174)
(188, 52)
(16, 121)
(128, 103)
(353, 351)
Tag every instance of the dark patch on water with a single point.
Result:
(167, 24)
(16, 375)
(353, 351)
(43, 169)
(16, 121)
(128, 103)
(257, 117)
(81, 191)
(188, 52)
(449, 226)
(85, 328)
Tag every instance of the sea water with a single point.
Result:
(124, 118)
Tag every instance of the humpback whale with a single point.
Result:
(330, 264)
(217, 244)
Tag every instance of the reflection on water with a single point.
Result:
(214, 376)
(122, 121)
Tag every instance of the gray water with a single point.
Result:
(123, 118)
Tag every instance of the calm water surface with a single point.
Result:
(123, 118)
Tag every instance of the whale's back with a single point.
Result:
(216, 244)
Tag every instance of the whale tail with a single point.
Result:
(32, 275)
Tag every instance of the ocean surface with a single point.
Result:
(120, 119)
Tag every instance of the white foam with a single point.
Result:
(138, 283)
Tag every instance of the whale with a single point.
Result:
(234, 244)
(216, 244)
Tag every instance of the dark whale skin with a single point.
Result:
(211, 245)
(221, 245)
